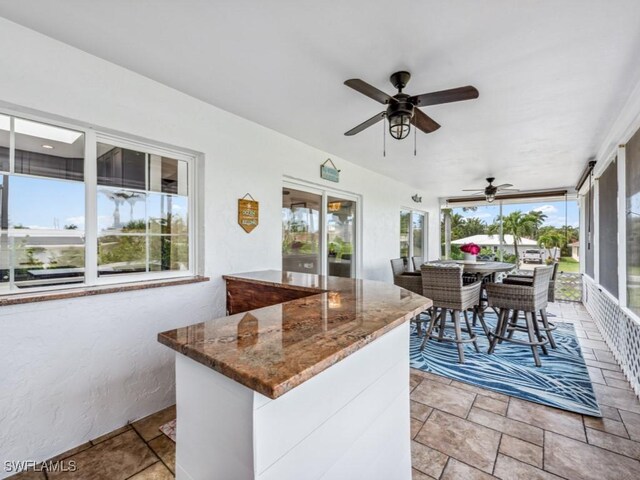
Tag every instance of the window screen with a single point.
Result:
(608, 229)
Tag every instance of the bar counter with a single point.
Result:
(276, 348)
(308, 377)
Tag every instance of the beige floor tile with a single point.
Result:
(427, 460)
(480, 391)
(414, 381)
(418, 475)
(603, 365)
(614, 382)
(506, 425)
(616, 397)
(165, 449)
(70, 452)
(578, 461)
(420, 411)
(617, 375)
(117, 458)
(157, 471)
(28, 475)
(632, 423)
(548, 418)
(588, 356)
(416, 425)
(456, 470)
(444, 397)
(595, 344)
(109, 435)
(149, 427)
(431, 376)
(524, 451)
(614, 443)
(606, 425)
(610, 412)
(466, 441)
(596, 375)
(604, 356)
(508, 468)
(491, 404)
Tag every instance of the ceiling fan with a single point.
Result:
(491, 190)
(402, 111)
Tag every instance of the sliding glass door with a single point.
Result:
(301, 212)
(341, 236)
(318, 233)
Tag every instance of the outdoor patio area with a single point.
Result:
(458, 431)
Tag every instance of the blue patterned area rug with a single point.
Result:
(562, 381)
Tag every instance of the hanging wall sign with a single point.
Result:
(329, 172)
(248, 213)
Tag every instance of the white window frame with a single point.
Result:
(425, 234)
(91, 139)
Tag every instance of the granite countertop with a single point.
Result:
(274, 349)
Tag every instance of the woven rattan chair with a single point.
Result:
(397, 266)
(547, 326)
(417, 263)
(444, 285)
(512, 299)
(411, 281)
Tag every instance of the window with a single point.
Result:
(139, 229)
(42, 205)
(608, 228)
(142, 212)
(412, 236)
(632, 174)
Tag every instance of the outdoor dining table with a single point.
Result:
(482, 269)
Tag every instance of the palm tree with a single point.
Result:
(551, 239)
(520, 224)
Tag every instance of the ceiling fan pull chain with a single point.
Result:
(384, 136)
(415, 148)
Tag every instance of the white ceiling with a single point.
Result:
(552, 74)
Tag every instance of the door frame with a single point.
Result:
(425, 234)
(325, 192)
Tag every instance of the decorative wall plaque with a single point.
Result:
(248, 213)
(329, 172)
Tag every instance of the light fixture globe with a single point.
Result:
(400, 126)
(399, 114)
(490, 197)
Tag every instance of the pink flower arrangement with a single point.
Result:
(470, 248)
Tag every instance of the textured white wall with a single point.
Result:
(73, 370)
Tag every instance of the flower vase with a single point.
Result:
(468, 257)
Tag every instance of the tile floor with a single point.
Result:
(458, 431)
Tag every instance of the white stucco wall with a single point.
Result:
(75, 369)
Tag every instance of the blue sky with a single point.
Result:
(555, 212)
(47, 203)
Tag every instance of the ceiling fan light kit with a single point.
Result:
(402, 109)
(491, 190)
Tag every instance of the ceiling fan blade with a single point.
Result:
(508, 189)
(424, 122)
(504, 185)
(445, 96)
(473, 190)
(478, 193)
(369, 90)
(366, 124)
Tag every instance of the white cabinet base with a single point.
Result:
(350, 421)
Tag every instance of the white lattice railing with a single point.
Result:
(620, 331)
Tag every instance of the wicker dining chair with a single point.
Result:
(444, 286)
(547, 326)
(512, 299)
(411, 281)
(417, 262)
